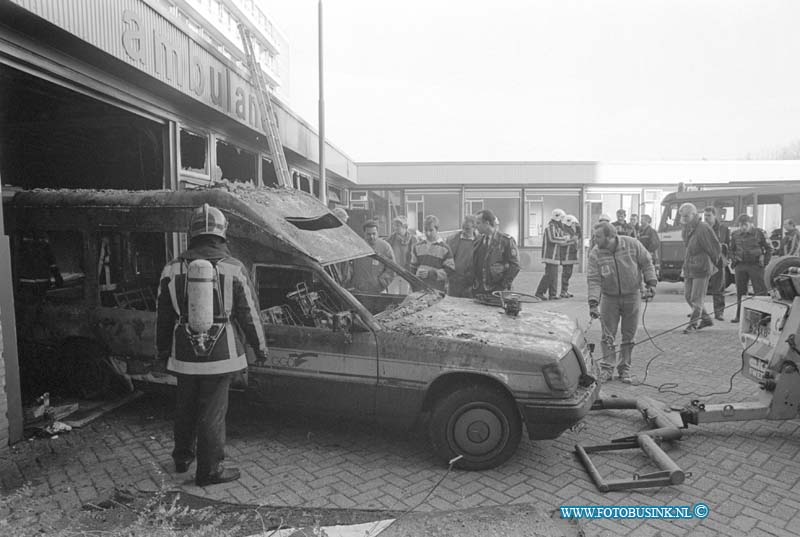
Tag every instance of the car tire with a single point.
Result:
(777, 266)
(480, 423)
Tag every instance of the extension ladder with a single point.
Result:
(269, 121)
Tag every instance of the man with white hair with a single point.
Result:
(699, 264)
(569, 256)
(552, 241)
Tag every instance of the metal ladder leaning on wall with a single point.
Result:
(270, 122)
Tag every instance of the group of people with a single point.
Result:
(477, 260)
(622, 271)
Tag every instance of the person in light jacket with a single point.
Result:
(616, 267)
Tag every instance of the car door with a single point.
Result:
(312, 365)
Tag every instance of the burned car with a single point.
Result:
(467, 372)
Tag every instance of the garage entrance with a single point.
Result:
(53, 137)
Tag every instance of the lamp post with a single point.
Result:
(323, 183)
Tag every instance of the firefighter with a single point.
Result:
(206, 285)
(553, 241)
(569, 255)
(495, 259)
(750, 253)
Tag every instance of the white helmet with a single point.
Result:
(570, 220)
(558, 215)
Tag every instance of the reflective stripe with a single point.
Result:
(218, 367)
(170, 272)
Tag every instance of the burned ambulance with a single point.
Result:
(467, 372)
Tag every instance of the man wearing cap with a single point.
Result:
(554, 239)
(699, 264)
(718, 283)
(750, 253)
(602, 218)
(623, 227)
(204, 369)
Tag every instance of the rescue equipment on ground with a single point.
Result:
(768, 331)
(202, 327)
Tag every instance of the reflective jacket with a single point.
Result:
(238, 311)
(555, 237)
(569, 250)
(495, 262)
(620, 271)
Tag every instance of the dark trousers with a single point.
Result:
(749, 272)
(202, 403)
(566, 274)
(716, 288)
(549, 280)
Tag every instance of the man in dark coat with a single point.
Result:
(699, 264)
(495, 260)
(750, 253)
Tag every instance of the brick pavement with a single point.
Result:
(748, 473)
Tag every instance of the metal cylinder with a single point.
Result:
(200, 290)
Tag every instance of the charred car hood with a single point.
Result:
(535, 330)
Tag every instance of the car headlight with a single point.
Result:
(555, 378)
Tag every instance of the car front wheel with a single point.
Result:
(477, 422)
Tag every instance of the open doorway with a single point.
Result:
(53, 137)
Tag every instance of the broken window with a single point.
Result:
(235, 163)
(194, 152)
(293, 296)
(301, 182)
(129, 267)
(49, 266)
(268, 175)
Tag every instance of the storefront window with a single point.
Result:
(539, 206)
(503, 203)
(443, 205)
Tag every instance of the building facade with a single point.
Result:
(524, 194)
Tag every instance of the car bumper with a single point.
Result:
(546, 419)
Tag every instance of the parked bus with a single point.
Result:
(769, 206)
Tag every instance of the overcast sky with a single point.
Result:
(436, 80)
